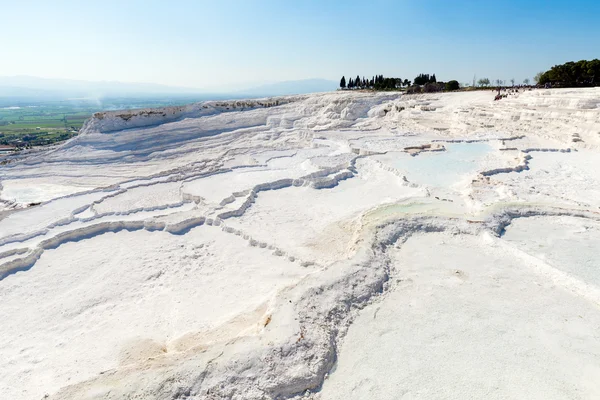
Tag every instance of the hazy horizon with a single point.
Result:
(22, 90)
(26, 80)
(209, 46)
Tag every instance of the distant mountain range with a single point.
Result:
(50, 89)
(292, 87)
(43, 87)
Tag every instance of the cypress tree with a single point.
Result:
(343, 82)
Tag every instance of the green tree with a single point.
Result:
(343, 82)
(421, 79)
(483, 82)
(526, 81)
(572, 74)
(431, 87)
(452, 85)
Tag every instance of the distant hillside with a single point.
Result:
(14, 86)
(291, 87)
(28, 87)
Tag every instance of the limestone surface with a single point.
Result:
(348, 245)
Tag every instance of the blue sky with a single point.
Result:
(221, 44)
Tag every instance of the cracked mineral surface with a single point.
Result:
(348, 245)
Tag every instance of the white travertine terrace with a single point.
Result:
(346, 245)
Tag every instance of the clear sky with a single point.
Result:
(220, 43)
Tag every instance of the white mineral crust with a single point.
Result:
(347, 245)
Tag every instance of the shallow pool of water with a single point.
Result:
(444, 168)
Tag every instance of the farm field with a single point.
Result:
(40, 125)
(29, 123)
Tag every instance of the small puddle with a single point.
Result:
(441, 169)
(400, 210)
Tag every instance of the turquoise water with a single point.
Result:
(442, 168)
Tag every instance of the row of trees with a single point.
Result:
(378, 82)
(432, 87)
(572, 74)
(422, 79)
(485, 82)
